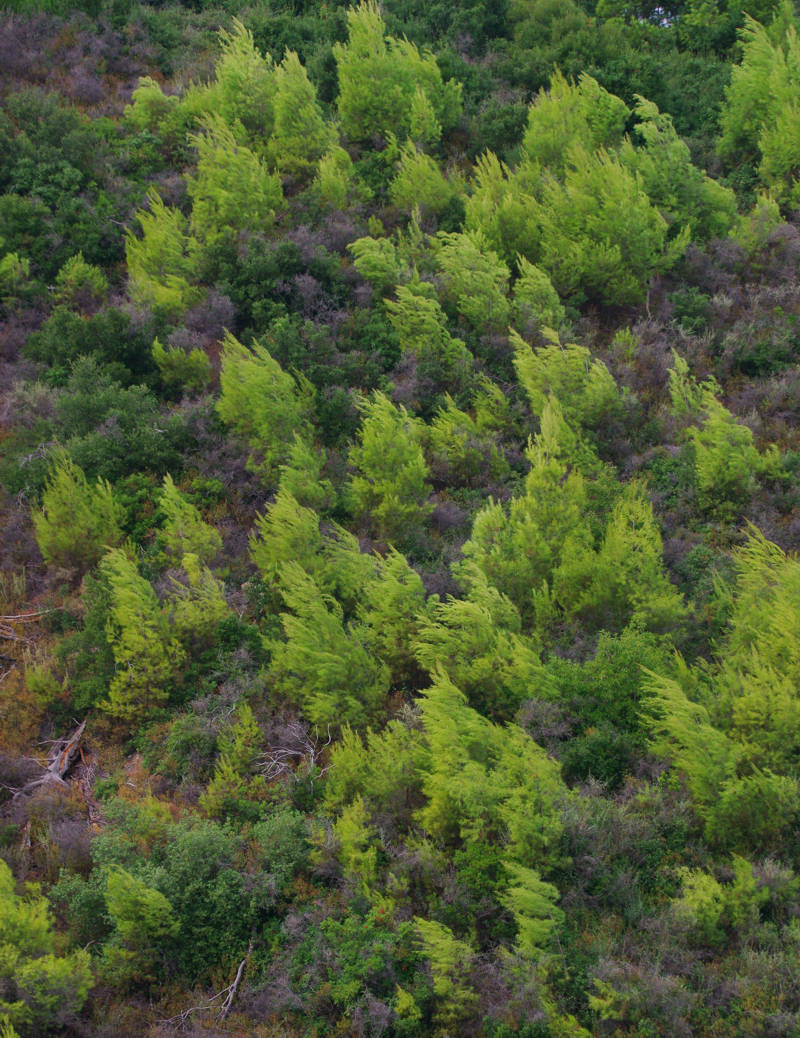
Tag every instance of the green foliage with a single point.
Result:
(686, 395)
(392, 607)
(457, 443)
(754, 228)
(68, 341)
(421, 326)
(477, 642)
(14, 275)
(324, 665)
(715, 910)
(286, 531)
(727, 462)
(244, 88)
(197, 602)
(144, 927)
(385, 769)
(162, 263)
(390, 486)
(624, 581)
(357, 851)
(38, 985)
(532, 902)
(600, 234)
(475, 278)
(505, 209)
(683, 195)
(487, 781)
(233, 190)
(300, 136)
(535, 299)
(380, 80)
(145, 652)
(294, 675)
(150, 107)
(607, 689)
(363, 954)
(420, 184)
(518, 549)
(262, 402)
(111, 431)
(684, 732)
(77, 521)
(760, 119)
(334, 180)
(425, 130)
(301, 475)
(584, 388)
(754, 813)
(236, 785)
(759, 662)
(202, 874)
(580, 114)
(450, 960)
(184, 530)
(182, 371)
(377, 261)
(79, 283)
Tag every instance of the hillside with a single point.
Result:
(400, 506)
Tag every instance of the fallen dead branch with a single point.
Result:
(62, 758)
(222, 1002)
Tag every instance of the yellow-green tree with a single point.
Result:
(583, 386)
(570, 114)
(381, 78)
(300, 135)
(184, 529)
(162, 263)
(244, 86)
(390, 485)
(236, 784)
(146, 653)
(37, 984)
(144, 927)
(262, 403)
(77, 520)
(325, 665)
(475, 278)
(233, 190)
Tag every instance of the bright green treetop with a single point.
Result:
(262, 402)
(162, 263)
(78, 520)
(37, 985)
(390, 485)
(184, 530)
(146, 653)
(233, 190)
(380, 80)
(300, 136)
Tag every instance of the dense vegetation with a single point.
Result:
(400, 417)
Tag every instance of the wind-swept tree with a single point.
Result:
(233, 190)
(324, 665)
(300, 136)
(146, 654)
(390, 486)
(262, 402)
(163, 262)
(78, 520)
(244, 87)
(380, 80)
(184, 529)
